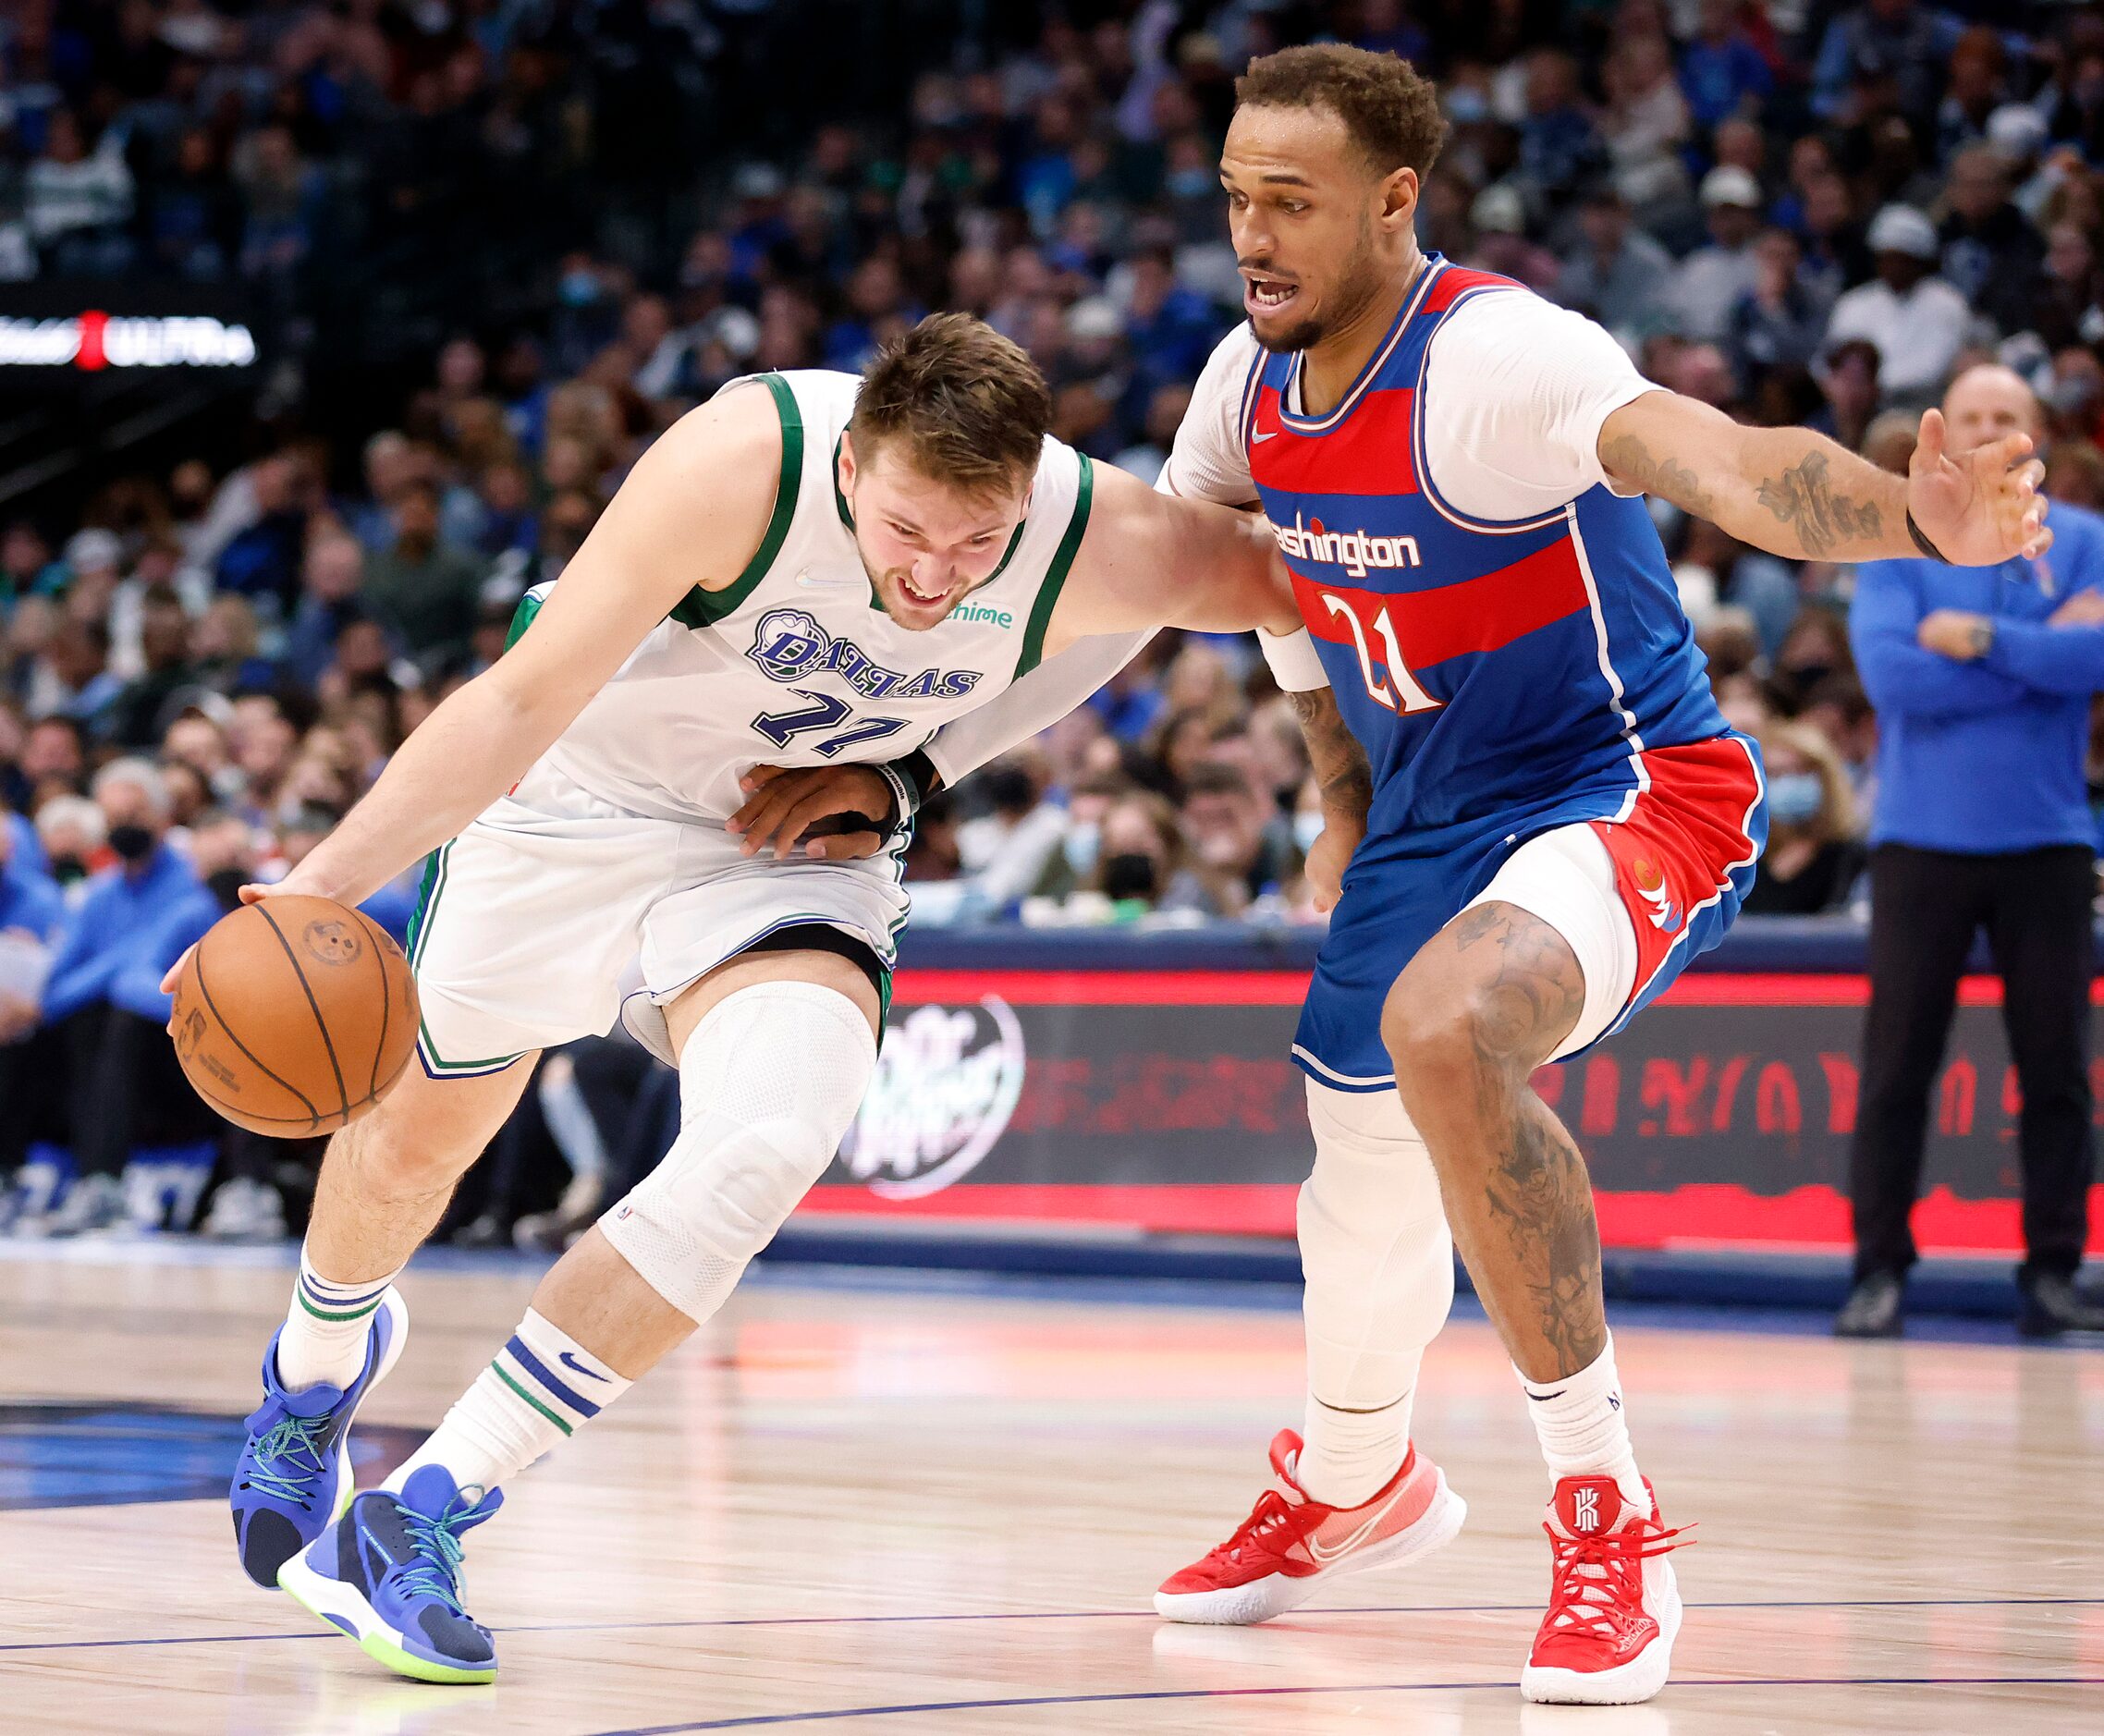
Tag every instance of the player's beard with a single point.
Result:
(1359, 282)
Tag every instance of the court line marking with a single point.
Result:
(757, 1721)
(1061, 1615)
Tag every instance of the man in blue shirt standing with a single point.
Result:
(31, 914)
(123, 1085)
(1982, 677)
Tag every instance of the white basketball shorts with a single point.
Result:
(1567, 878)
(552, 909)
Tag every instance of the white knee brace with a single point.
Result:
(769, 1082)
(1375, 1250)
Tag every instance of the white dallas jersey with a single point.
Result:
(795, 663)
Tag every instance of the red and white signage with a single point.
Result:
(95, 340)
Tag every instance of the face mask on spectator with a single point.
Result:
(1192, 183)
(1084, 843)
(1795, 797)
(1129, 874)
(134, 843)
(226, 885)
(65, 870)
(1307, 827)
(579, 288)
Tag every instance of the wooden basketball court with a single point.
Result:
(900, 1508)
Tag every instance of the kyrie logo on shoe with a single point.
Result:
(1586, 1513)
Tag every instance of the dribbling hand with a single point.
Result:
(255, 892)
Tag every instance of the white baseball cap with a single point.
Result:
(1903, 229)
(94, 549)
(2018, 128)
(1728, 184)
(1499, 209)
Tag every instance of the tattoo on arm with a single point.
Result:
(1628, 460)
(1339, 763)
(1825, 521)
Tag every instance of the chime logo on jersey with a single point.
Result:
(790, 646)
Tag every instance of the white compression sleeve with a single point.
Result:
(1037, 702)
(769, 1082)
(1296, 665)
(1379, 1265)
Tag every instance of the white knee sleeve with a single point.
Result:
(768, 1085)
(1375, 1250)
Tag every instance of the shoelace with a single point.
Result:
(1596, 1582)
(292, 1442)
(437, 1544)
(1272, 1514)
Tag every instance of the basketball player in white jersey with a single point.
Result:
(810, 570)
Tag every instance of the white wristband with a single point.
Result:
(1294, 660)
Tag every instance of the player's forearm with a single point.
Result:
(1059, 685)
(1338, 762)
(467, 754)
(1786, 490)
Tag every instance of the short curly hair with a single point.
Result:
(1391, 113)
(970, 406)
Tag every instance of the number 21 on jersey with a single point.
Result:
(1399, 692)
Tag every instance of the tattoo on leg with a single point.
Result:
(1541, 1193)
(1523, 1213)
(1803, 498)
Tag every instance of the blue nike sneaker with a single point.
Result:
(293, 1477)
(388, 1574)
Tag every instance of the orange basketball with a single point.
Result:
(295, 1016)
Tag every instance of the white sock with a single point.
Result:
(1579, 1420)
(325, 1327)
(541, 1387)
(1349, 1456)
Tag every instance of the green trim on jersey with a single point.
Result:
(523, 618)
(1056, 574)
(703, 608)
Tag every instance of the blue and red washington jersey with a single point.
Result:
(1505, 678)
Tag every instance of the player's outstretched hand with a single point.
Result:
(1978, 508)
(825, 813)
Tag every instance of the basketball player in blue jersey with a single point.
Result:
(1556, 818)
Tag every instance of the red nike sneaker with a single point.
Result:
(1613, 1609)
(1280, 1556)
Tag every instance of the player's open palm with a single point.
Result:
(1977, 507)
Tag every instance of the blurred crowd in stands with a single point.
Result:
(1796, 211)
